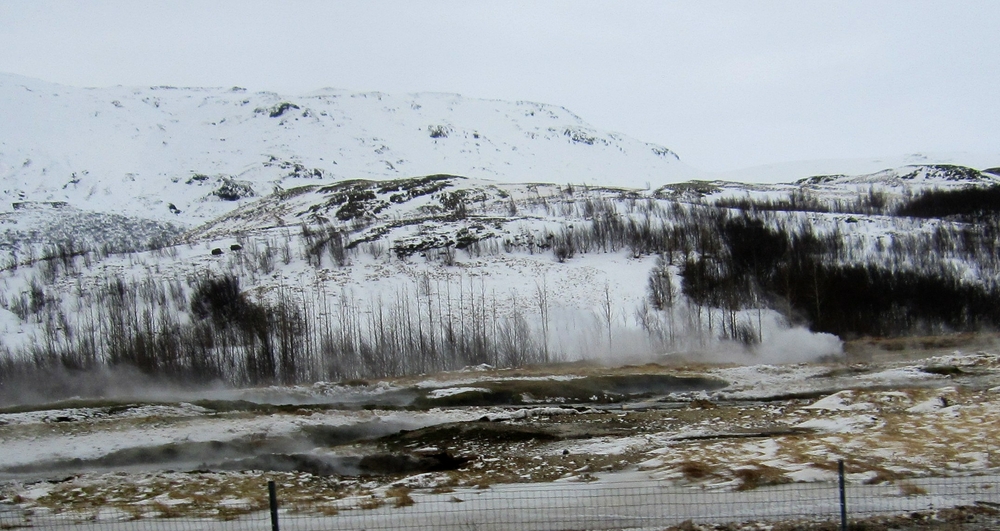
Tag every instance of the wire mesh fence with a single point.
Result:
(619, 501)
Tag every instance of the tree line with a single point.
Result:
(718, 269)
(210, 329)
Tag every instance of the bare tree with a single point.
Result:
(542, 292)
(607, 312)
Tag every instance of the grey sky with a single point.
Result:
(725, 84)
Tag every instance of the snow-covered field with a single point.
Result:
(917, 432)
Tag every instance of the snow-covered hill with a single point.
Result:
(190, 154)
(253, 237)
(787, 172)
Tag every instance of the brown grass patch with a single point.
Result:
(882, 476)
(371, 503)
(169, 511)
(314, 507)
(694, 471)
(919, 346)
(327, 510)
(909, 489)
(402, 496)
(701, 403)
(760, 476)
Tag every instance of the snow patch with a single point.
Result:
(452, 391)
(851, 424)
(840, 401)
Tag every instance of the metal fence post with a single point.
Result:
(272, 494)
(843, 497)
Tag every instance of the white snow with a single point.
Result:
(851, 424)
(840, 401)
(451, 391)
(927, 406)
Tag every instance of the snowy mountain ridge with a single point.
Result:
(940, 175)
(157, 152)
(185, 156)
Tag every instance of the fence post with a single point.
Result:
(272, 494)
(843, 497)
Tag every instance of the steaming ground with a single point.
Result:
(893, 415)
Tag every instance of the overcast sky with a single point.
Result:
(724, 84)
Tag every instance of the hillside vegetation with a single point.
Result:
(362, 279)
